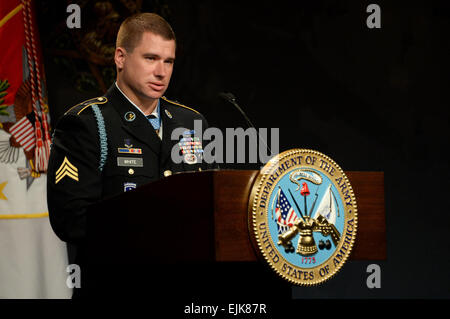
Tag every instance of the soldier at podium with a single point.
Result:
(122, 140)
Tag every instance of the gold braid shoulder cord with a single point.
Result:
(42, 150)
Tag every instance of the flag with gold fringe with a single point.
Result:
(33, 260)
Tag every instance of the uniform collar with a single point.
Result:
(155, 111)
(135, 123)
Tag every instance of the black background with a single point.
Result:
(371, 99)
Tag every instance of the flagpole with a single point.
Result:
(278, 199)
(314, 203)
(306, 209)
(299, 210)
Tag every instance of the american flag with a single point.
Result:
(23, 132)
(285, 214)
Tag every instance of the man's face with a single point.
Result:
(146, 71)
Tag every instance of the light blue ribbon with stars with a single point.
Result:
(155, 121)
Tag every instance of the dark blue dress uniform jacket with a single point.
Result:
(74, 185)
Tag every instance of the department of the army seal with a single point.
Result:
(303, 216)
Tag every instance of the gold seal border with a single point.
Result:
(266, 172)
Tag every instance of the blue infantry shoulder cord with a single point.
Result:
(102, 134)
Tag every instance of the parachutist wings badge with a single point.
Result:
(287, 220)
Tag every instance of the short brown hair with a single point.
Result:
(131, 30)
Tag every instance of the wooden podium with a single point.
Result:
(201, 218)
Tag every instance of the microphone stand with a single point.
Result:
(229, 97)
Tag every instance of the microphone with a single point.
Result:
(232, 99)
(229, 97)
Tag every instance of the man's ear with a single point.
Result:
(119, 57)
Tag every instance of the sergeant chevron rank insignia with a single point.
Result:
(66, 169)
(303, 216)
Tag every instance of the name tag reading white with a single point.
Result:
(130, 161)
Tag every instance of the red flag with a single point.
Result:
(33, 261)
(21, 74)
(12, 37)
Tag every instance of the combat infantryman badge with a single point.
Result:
(300, 199)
